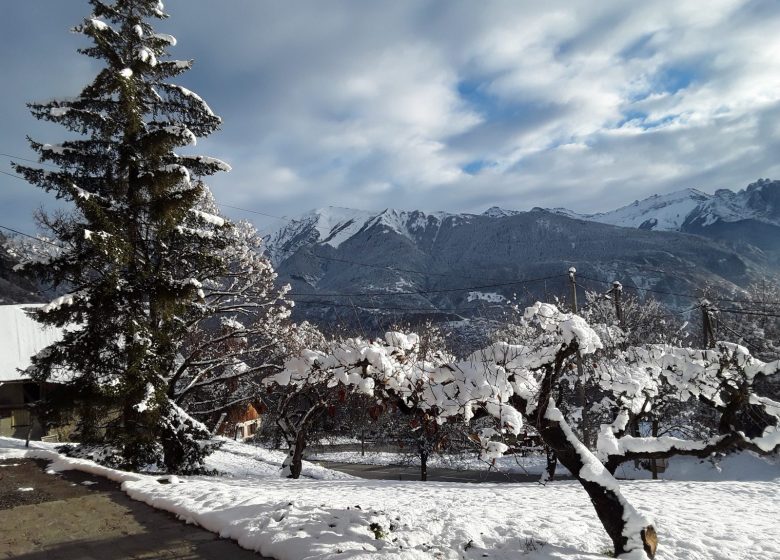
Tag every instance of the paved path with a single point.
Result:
(397, 472)
(75, 516)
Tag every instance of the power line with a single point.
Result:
(421, 273)
(368, 294)
(411, 271)
(637, 288)
(359, 294)
(385, 267)
(218, 204)
(38, 239)
(450, 290)
(387, 308)
(9, 156)
(689, 296)
(15, 176)
(423, 292)
(740, 336)
(694, 308)
(252, 211)
(743, 312)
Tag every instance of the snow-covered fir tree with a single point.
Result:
(134, 246)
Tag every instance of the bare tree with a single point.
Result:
(242, 334)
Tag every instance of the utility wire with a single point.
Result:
(15, 176)
(421, 273)
(694, 308)
(357, 294)
(423, 292)
(9, 156)
(466, 288)
(740, 336)
(387, 267)
(411, 271)
(365, 294)
(219, 204)
(251, 211)
(31, 236)
(678, 294)
(743, 312)
(387, 308)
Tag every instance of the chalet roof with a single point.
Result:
(21, 338)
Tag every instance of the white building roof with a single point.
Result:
(21, 338)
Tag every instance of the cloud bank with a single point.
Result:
(449, 105)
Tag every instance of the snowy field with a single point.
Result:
(515, 464)
(331, 515)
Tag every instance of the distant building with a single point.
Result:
(240, 422)
(21, 338)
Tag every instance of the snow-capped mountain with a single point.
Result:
(329, 225)
(333, 226)
(692, 211)
(666, 212)
(14, 287)
(498, 212)
(415, 261)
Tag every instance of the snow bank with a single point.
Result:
(745, 466)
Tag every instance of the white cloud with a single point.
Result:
(580, 104)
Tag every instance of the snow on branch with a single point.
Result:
(209, 161)
(182, 134)
(166, 38)
(212, 219)
(186, 93)
(486, 380)
(722, 378)
(62, 301)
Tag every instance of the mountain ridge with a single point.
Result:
(687, 210)
(430, 254)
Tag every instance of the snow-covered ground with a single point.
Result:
(515, 464)
(739, 467)
(335, 516)
(244, 461)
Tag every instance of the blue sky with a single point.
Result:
(440, 104)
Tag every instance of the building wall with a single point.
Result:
(15, 420)
(11, 394)
(241, 422)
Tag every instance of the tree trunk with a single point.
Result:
(654, 462)
(423, 463)
(277, 439)
(552, 464)
(29, 432)
(617, 516)
(293, 463)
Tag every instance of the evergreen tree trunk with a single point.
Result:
(654, 462)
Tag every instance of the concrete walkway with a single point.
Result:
(75, 516)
